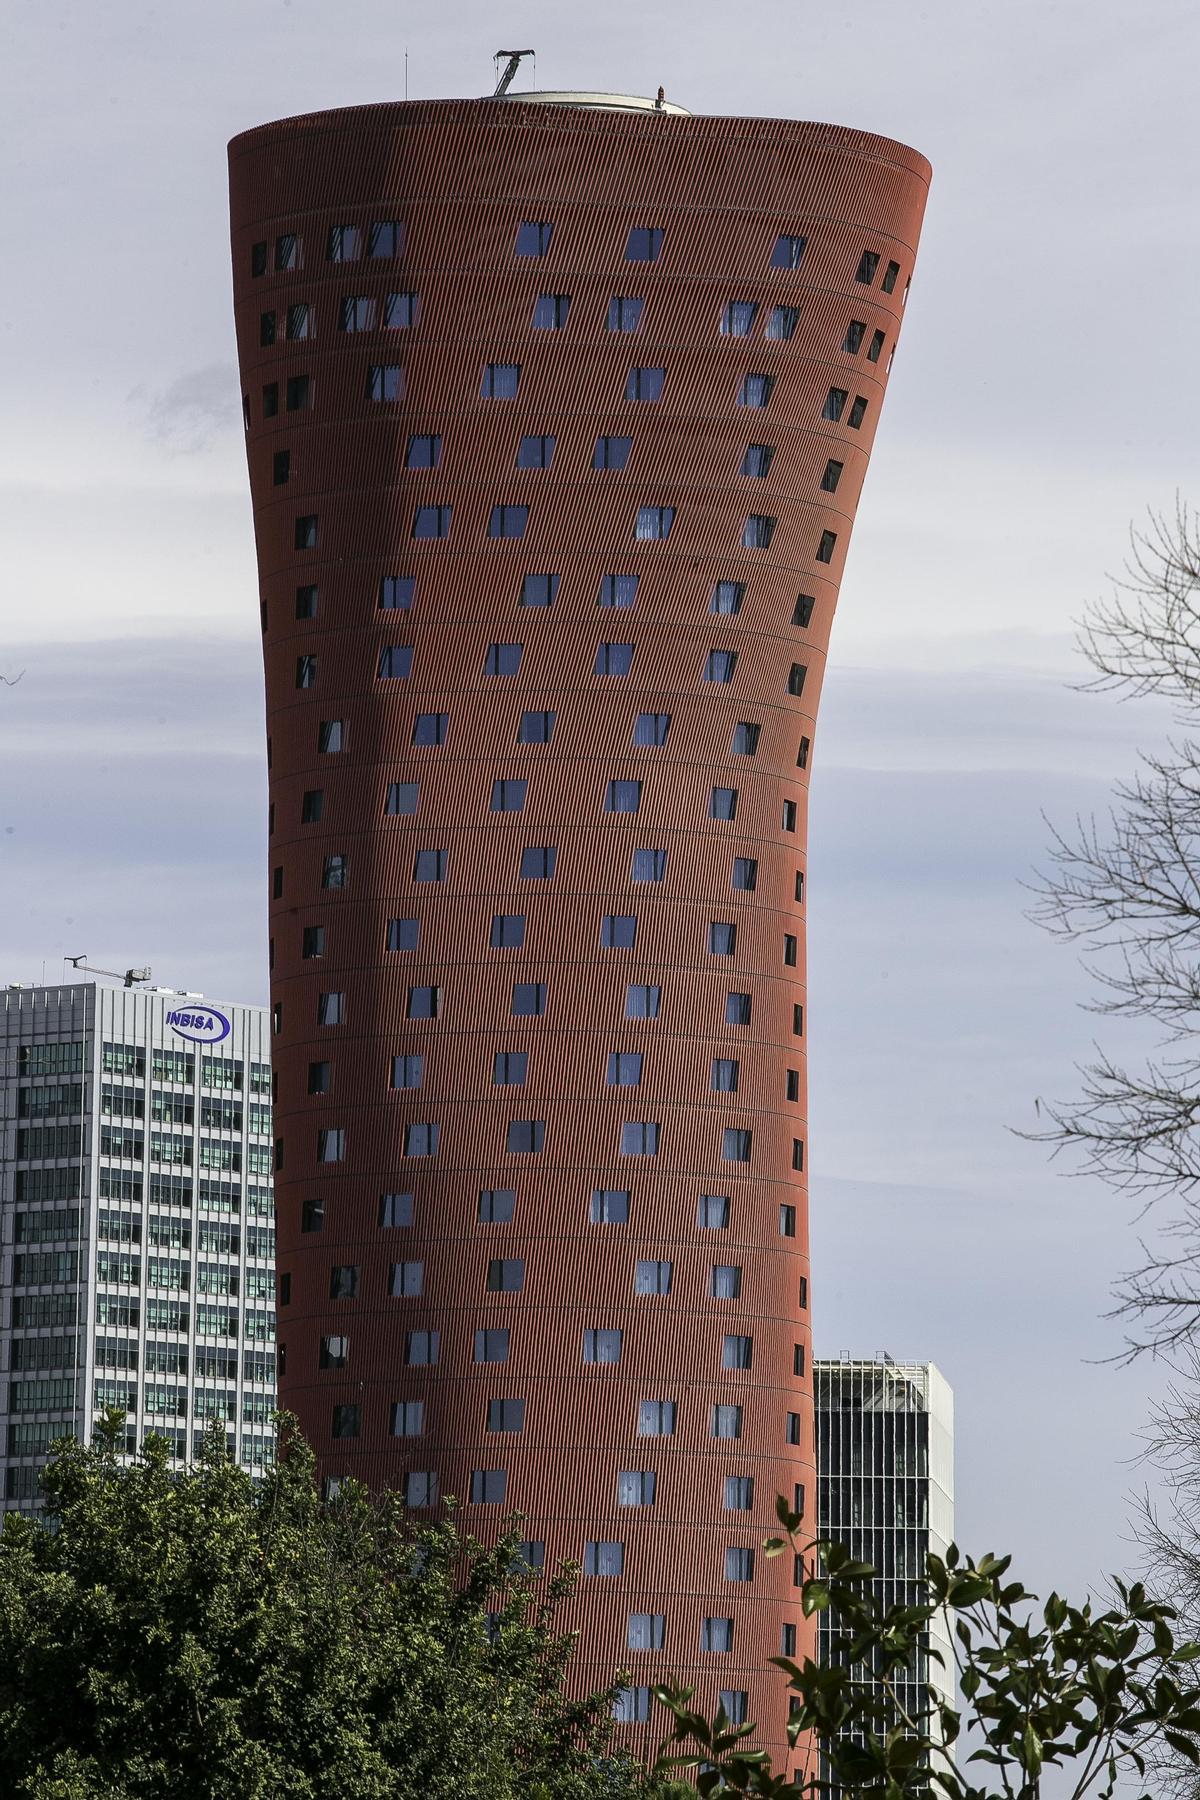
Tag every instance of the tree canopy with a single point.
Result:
(207, 1634)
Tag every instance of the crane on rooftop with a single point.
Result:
(514, 62)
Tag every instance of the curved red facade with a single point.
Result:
(557, 419)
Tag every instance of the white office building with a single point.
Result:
(885, 1486)
(137, 1231)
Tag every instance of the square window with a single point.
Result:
(624, 1068)
(386, 238)
(535, 453)
(488, 1486)
(424, 452)
(783, 322)
(500, 381)
(403, 934)
(726, 1281)
(401, 798)
(745, 740)
(716, 1635)
(526, 1137)
(719, 665)
(336, 872)
(624, 313)
(506, 1275)
(826, 547)
(788, 251)
(503, 659)
(610, 1206)
(506, 1415)
(734, 1703)
(430, 728)
(755, 390)
(656, 1418)
(536, 728)
(727, 1423)
(343, 1281)
(508, 796)
(642, 1001)
(645, 384)
(491, 1345)
(508, 521)
(432, 522)
(618, 931)
(796, 679)
(408, 1418)
(739, 1493)
(737, 1352)
(305, 537)
(613, 659)
(508, 931)
(745, 873)
(757, 532)
(509, 1068)
(724, 1075)
(395, 662)
(649, 865)
(737, 319)
(855, 333)
(636, 1487)
(533, 237)
(421, 1348)
(550, 311)
(623, 796)
(424, 1002)
(735, 1145)
(603, 1558)
(344, 244)
(654, 523)
(737, 1009)
(644, 244)
(346, 1421)
(313, 941)
(652, 1277)
(601, 1346)
(421, 1486)
(858, 413)
(650, 729)
(639, 1137)
(804, 610)
(430, 865)
(539, 590)
(645, 1631)
(727, 597)
(385, 381)
(334, 1353)
(757, 460)
(722, 938)
(868, 263)
(831, 477)
(421, 1139)
(528, 999)
(356, 312)
(331, 736)
(537, 862)
(723, 803)
(318, 1077)
(835, 401)
(400, 311)
(395, 1209)
(497, 1205)
(312, 805)
(611, 452)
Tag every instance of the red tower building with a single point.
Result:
(557, 413)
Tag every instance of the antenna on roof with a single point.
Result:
(514, 63)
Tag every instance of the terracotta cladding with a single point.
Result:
(458, 178)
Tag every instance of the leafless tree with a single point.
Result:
(1167, 1533)
(1127, 890)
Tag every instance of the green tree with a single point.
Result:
(207, 1635)
(1094, 1695)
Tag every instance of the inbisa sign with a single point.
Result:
(199, 1024)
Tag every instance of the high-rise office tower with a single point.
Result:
(558, 408)
(137, 1236)
(885, 1488)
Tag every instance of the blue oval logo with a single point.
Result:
(200, 1024)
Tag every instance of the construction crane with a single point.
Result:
(129, 977)
(514, 63)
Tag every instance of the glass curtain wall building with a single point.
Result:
(557, 415)
(137, 1232)
(885, 1487)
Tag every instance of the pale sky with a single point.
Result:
(1044, 394)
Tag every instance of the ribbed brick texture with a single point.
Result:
(460, 178)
